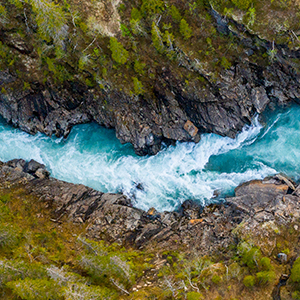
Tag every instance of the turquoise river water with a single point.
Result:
(92, 155)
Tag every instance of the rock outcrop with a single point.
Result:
(180, 101)
(257, 206)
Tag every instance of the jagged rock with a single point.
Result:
(33, 166)
(17, 163)
(258, 207)
(41, 173)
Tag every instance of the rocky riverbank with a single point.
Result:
(113, 218)
(263, 214)
(165, 84)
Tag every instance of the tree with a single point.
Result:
(118, 53)
(157, 38)
(185, 29)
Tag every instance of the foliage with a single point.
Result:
(242, 4)
(157, 38)
(265, 263)
(139, 67)
(225, 63)
(175, 14)
(51, 20)
(138, 86)
(136, 14)
(295, 272)
(194, 296)
(266, 277)
(296, 295)
(249, 255)
(185, 29)
(251, 15)
(249, 281)
(119, 53)
(152, 7)
(35, 289)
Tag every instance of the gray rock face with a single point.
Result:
(173, 112)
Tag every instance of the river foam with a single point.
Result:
(94, 157)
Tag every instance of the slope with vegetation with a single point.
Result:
(154, 70)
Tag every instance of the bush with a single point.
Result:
(51, 20)
(157, 38)
(249, 255)
(296, 295)
(216, 279)
(225, 63)
(136, 14)
(266, 277)
(8, 237)
(152, 7)
(295, 272)
(139, 67)
(194, 296)
(175, 14)
(138, 86)
(249, 281)
(265, 263)
(242, 4)
(81, 291)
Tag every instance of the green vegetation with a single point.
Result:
(78, 40)
(249, 281)
(185, 29)
(242, 4)
(295, 273)
(41, 258)
(119, 54)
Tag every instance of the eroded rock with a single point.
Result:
(259, 208)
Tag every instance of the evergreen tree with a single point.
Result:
(185, 29)
(119, 53)
(157, 38)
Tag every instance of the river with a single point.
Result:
(93, 156)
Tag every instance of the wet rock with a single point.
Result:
(41, 173)
(17, 163)
(33, 166)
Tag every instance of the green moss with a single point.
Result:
(194, 296)
(249, 281)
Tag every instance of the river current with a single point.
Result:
(93, 156)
